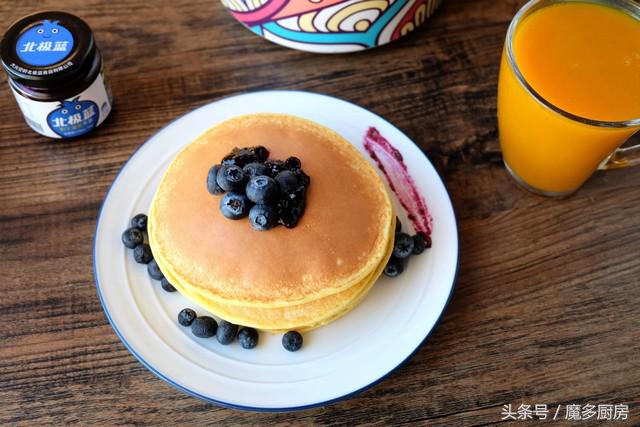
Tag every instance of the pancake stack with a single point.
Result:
(281, 279)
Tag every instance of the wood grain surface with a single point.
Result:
(546, 307)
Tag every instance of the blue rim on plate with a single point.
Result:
(251, 408)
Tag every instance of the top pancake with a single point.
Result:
(340, 240)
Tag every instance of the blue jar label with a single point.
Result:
(73, 118)
(70, 117)
(44, 44)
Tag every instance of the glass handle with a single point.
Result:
(623, 157)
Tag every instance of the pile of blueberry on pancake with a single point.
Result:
(269, 192)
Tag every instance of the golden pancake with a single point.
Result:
(340, 242)
(300, 317)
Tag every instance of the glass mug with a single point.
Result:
(547, 149)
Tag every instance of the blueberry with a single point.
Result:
(228, 160)
(261, 153)
(293, 163)
(263, 217)
(204, 327)
(287, 181)
(166, 285)
(248, 338)
(212, 183)
(303, 178)
(394, 267)
(186, 317)
(291, 206)
(420, 243)
(234, 205)
(132, 237)
(226, 332)
(154, 270)
(290, 210)
(403, 245)
(292, 341)
(142, 254)
(254, 169)
(398, 225)
(140, 222)
(244, 156)
(231, 178)
(274, 167)
(261, 189)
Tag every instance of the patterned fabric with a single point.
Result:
(331, 25)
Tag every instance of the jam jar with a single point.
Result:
(56, 74)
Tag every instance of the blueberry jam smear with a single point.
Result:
(391, 163)
(271, 192)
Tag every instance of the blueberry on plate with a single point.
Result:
(261, 189)
(186, 316)
(132, 237)
(394, 267)
(154, 270)
(212, 180)
(398, 225)
(166, 285)
(234, 205)
(254, 169)
(142, 254)
(140, 222)
(292, 341)
(287, 181)
(248, 338)
(292, 163)
(420, 243)
(226, 332)
(403, 245)
(231, 178)
(263, 217)
(204, 327)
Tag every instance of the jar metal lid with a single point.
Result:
(47, 49)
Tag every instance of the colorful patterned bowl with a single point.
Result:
(331, 26)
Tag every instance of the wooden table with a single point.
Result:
(545, 309)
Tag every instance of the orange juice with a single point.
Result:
(582, 59)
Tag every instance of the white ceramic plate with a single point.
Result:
(336, 360)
